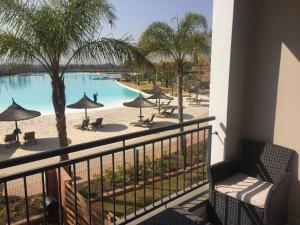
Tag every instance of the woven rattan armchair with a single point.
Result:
(252, 190)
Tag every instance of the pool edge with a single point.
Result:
(130, 88)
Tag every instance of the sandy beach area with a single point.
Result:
(115, 122)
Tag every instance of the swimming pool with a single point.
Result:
(34, 91)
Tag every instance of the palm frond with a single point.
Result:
(15, 16)
(190, 35)
(54, 29)
(111, 50)
(19, 49)
(55, 26)
(157, 38)
(195, 43)
(191, 23)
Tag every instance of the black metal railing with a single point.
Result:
(115, 185)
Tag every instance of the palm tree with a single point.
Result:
(56, 32)
(166, 77)
(178, 44)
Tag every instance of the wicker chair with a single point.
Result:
(267, 167)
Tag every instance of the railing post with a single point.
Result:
(137, 166)
(182, 145)
(209, 147)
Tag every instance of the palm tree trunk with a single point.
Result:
(59, 103)
(180, 84)
(180, 109)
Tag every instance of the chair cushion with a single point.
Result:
(244, 188)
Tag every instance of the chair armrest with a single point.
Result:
(222, 170)
(277, 201)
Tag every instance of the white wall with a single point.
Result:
(229, 59)
(220, 65)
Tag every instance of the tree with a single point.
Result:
(126, 76)
(138, 70)
(178, 44)
(167, 77)
(54, 31)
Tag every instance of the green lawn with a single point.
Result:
(159, 193)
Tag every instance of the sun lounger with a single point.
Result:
(149, 122)
(29, 137)
(97, 123)
(144, 123)
(194, 100)
(204, 102)
(138, 124)
(168, 103)
(163, 105)
(85, 124)
(10, 139)
(162, 112)
(204, 91)
(168, 114)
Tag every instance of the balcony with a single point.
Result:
(147, 170)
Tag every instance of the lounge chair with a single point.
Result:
(97, 123)
(10, 139)
(194, 101)
(168, 103)
(168, 114)
(204, 102)
(29, 137)
(162, 105)
(163, 112)
(149, 122)
(85, 124)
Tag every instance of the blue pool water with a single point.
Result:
(34, 91)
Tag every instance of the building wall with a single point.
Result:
(257, 95)
(228, 72)
(272, 94)
(237, 76)
(287, 120)
(221, 45)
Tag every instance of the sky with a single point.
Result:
(133, 16)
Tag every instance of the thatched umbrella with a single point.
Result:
(16, 113)
(139, 102)
(85, 103)
(158, 95)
